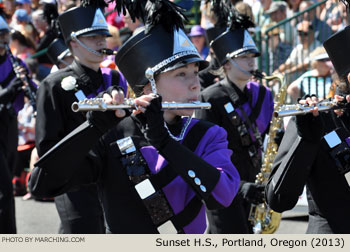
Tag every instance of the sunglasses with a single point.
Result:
(304, 34)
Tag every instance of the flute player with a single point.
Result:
(84, 30)
(315, 152)
(154, 169)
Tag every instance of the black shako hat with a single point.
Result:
(161, 47)
(213, 32)
(233, 44)
(57, 50)
(236, 40)
(336, 46)
(87, 21)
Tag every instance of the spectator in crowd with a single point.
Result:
(207, 15)
(293, 6)
(316, 81)
(298, 60)
(261, 18)
(26, 143)
(9, 7)
(332, 14)
(197, 36)
(39, 22)
(21, 47)
(23, 24)
(321, 29)
(26, 5)
(278, 51)
(277, 13)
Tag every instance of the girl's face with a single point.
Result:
(179, 85)
(246, 62)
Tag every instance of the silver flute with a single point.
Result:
(298, 109)
(97, 104)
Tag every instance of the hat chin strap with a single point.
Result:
(239, 68)
(85, 46)
(64, 62)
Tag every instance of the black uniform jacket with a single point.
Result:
(299, 163)
(124, 210)
(55, 120)
(218, 97)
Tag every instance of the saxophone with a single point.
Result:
(264, 219)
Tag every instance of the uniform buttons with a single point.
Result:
(197, 181)
(191, 173)
(203, 188)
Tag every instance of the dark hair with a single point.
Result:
(343, 85)
(17, 35)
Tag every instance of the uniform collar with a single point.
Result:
(89, 79)
(243, 95)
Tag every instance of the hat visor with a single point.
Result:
(96, 32)
(65, 53)
(202, 64)
(256, 53)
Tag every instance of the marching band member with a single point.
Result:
(153, 169)
(244, 109)
(315, 152)
(12, 91)
(84, 30)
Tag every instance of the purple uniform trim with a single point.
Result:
(348, 140)
(266, 110)
(6, 68)
(213, 149)
(107, 77)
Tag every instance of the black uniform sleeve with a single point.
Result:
(49, 128)
(9, 93)
(58, 171)
(6, 95)
(182, 160)
(290, 170)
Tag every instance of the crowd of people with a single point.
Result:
(152, 170)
